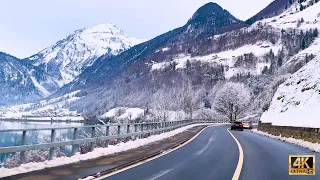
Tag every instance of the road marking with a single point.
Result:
(156, 176)
(206, 146)
(237, 172)
(158, 156)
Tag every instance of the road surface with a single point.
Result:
(214, 154)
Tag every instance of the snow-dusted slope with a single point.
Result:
(297, 101)
(290, 18)
(69, 57)
(226, 58)
(20, 81)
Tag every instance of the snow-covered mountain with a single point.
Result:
(20, 81)
(69, 57)
(259, 55)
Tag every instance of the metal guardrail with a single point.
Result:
(152, 128)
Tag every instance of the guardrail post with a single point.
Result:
(148, 128)
(135, 130)
(119, 131)
(163, 126)
(53, 137)
(155, 128)
(107, 134)
(141, 126)
(128, 131)
(93, 134)
(24, 141)
(74, 147)
(159, 126)
(152, 127)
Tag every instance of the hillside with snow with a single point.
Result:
(69, 57)
(227, 59)
(20, 81)
(178, 71)
(297, 101)
(295, 17)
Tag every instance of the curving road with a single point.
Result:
(214, 154)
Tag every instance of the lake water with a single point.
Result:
(14, 138)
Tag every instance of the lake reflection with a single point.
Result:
(14, 138)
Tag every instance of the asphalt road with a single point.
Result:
(214, 154)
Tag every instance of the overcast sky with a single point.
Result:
(28, 26)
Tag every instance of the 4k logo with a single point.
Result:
(302, 165)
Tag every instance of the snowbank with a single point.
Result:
(297, 101)
(312, 146)
(98, 152)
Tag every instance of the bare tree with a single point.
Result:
(232, 100)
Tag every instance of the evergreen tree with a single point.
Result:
(315, 32)
(303, 44)
(280, 58)
(301, 7)
(188, 65)
(265, 70)
(280, 61)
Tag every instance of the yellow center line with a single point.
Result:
(237, 172)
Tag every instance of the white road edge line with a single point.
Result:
(237, 172)
(158, 156)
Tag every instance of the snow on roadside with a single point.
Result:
(88, 178)
(309, 145)
(98, 152)
(297, 101)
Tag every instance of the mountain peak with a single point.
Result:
(69, 57)
(211, 6)
(213, 14)
(104, 28)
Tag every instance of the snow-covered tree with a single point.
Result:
(232, 100)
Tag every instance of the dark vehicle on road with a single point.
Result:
(237, 125)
